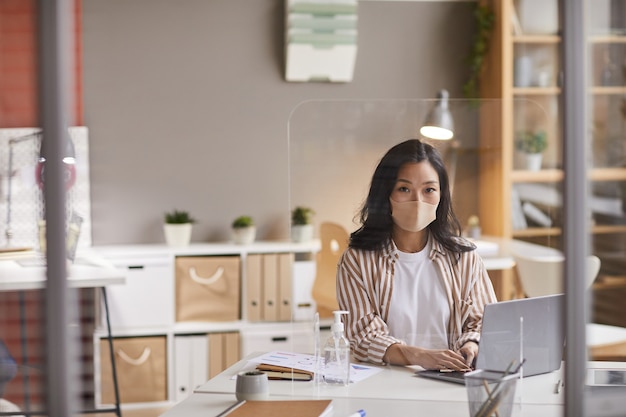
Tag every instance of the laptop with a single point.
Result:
(528, 328)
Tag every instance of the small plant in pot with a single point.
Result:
(302, 224)
(244, 230)
(531, 145)
(177, 227)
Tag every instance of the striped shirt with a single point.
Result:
(365, 284)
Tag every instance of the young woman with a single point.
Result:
(415, 289)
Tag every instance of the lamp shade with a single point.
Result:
(439, 124)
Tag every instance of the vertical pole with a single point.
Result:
(576, 219)
(54, 54)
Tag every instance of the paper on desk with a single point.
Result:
(305, 362)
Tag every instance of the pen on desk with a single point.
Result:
(360, 413)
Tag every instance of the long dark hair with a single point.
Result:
(375, 215)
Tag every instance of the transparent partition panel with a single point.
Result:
(334, 147)
(606, 54)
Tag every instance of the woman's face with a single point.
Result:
(417, 181)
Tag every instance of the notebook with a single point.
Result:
(537, 321)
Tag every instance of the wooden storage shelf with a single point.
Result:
(607, 39)
(608, 229)
(533, 108)
(537, 231)
(608, 174)
(555, 175)
(537, 39)
(536, 91)
(556, 231)
(609, 90)
(544, 175)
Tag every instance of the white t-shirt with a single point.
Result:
(419, 310)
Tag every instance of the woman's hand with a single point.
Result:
(469, 351)
(426, 358)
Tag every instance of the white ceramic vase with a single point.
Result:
(177, 235)
(244, 235)
(533, 161)
(302, 233)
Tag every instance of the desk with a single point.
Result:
(497, 255)
(88, 271)
(207, 405)
(395, 391)
(502, 257)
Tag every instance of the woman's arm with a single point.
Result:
(365, 329)
(480, 293)
(438, 359)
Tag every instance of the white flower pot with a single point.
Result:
(302, 233)
(244, 235)
(533, 161)
(177, 234)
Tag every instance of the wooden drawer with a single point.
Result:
(208, 288)
(141, 364)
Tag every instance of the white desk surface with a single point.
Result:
(393, 383)
(88, 271)
(502, 256)
(395, 391)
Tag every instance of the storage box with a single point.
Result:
(207, 288)
(148, 279)
(141, 364)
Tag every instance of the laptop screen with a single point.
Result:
(527, 328)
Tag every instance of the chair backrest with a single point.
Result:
(544, 275)
(334, 239)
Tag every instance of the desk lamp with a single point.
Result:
(439, 125)
(69, 158)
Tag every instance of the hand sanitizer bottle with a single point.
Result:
(337, 354)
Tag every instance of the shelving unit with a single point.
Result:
(523, 74)
(252, 298)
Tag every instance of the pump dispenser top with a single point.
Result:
(337, 326)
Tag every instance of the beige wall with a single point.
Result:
(187, 105)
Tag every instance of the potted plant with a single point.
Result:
(302, 224)
(244, 230)
(531, 145)
(177, 227)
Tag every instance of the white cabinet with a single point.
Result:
(263, 286)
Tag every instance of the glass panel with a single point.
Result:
(606, 334)
(607, 53)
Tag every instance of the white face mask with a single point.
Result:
(413, 216)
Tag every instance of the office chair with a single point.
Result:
(544, 276)
(334, 240)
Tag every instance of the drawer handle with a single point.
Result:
(139, 361)
(206, 281)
